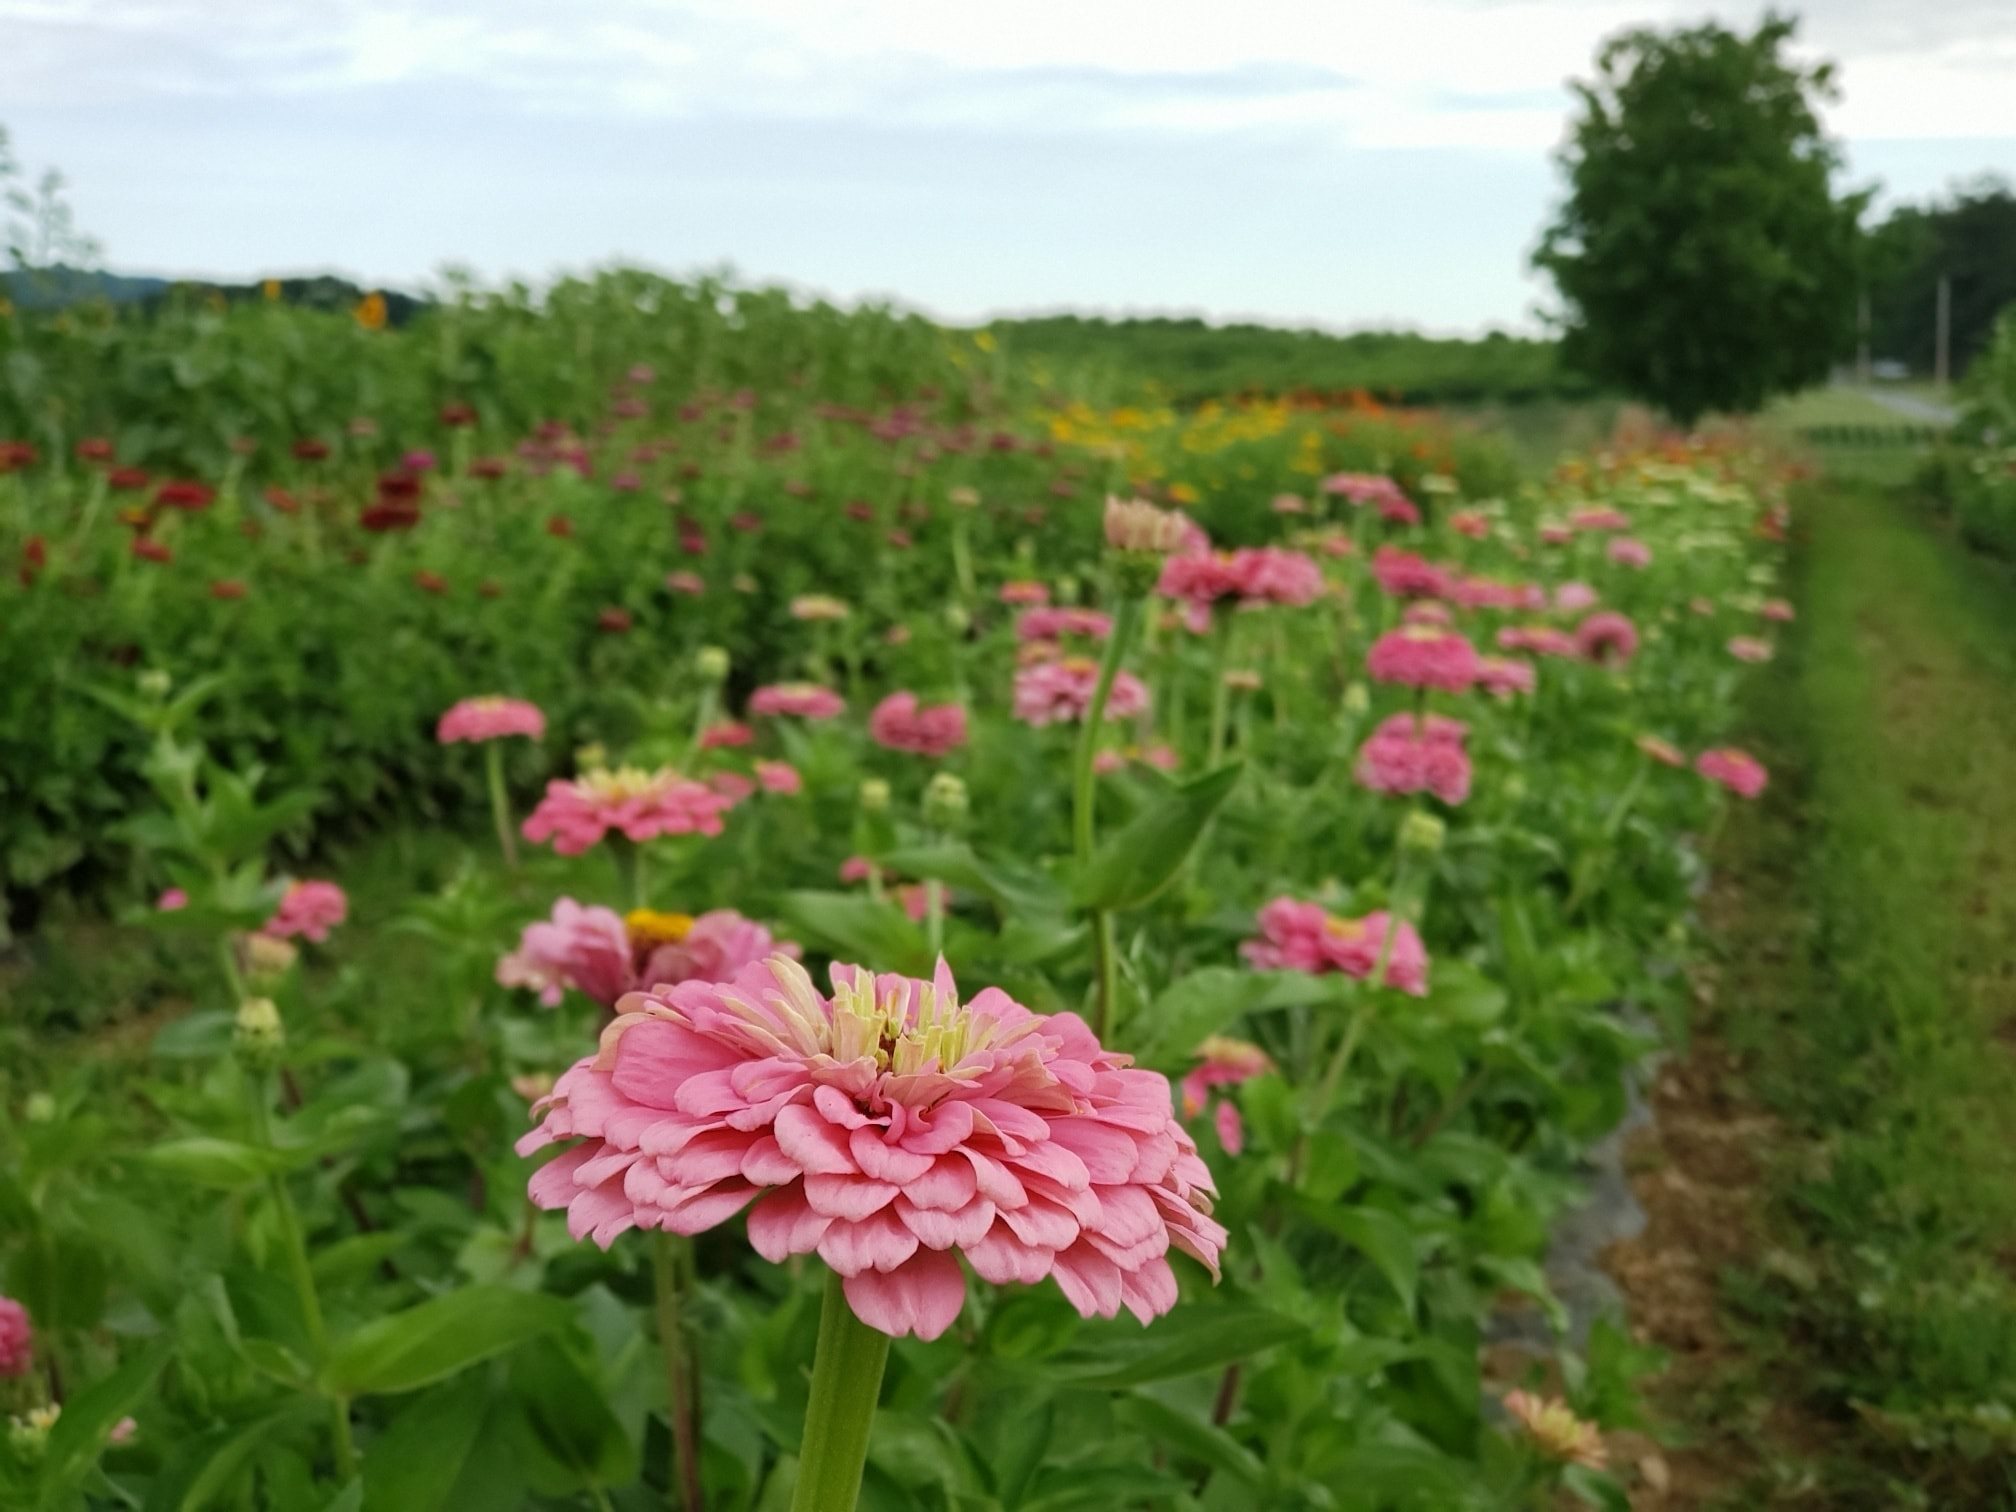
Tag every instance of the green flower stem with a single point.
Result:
(846, 1381)
(670, 1283)
(1221, 661)
(258, 1093)
(1084, 795)
(500, 802)
(962, 554)
(934, 917)
(1596, 861)
(628, 859)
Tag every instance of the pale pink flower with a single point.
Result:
(1361, 488)
(1541, 640)
(636, 804)
(1224, 1063)
(490, 718)
(685, 582)
(17, 1339)
(1427, 612)
(1422, 656)
(779, 777)
(1775, 609)
(1137, 525)
(1406, 754)
(1467, 522)
(1701, 606)
(1503, 676)
(1555, 1430)
(887, 1129)
(914, 898)
(1556, 534)
(602, 955)
(1662, 751)
(819, 606)
(725, 734)
(1275, 575)
(308, 909)
(1161, 757)
(1601, 517)
(1607, 638)
(732, 786)
(856, 869)
(1399, 510)
(800, 700)
(122, 1431)
(1289, 504)
(900, 723)
(1487, 593)
(1748, 648)
(1628, 551)
(1023, 592)
(1297, 936)
(174, 900)
(1061, 691)
(1048, 624)
(1573, 598)
(1405, 575)
(1736, 770)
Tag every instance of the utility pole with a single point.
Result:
(1943, 336)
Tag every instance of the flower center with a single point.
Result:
(624, 782)
(647, 926)
(1344, 929)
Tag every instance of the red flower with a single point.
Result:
(126, 479)
(227, 588)
(615, 621)
(283, 501)
(430, 582)
(560, 527)
(182, 494)
(401, 486)
(457, 415)
(94, 449)
(15, 455)
(489, 467)
(149, 549)
(311, 449)
(34, 557)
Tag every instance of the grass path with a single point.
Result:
(1831, 1182)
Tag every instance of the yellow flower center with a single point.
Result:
(1344, 929)
(624, 782)
(647, 926)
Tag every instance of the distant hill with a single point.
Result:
(53, 288)
(47, 288)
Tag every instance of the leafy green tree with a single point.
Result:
(1968, 239)
(1703, 258)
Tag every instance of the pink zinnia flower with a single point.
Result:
(1607, 638)
(887, 1129)
(1060, 691)
(685, 582)
(1736, 770)
(17, 1339)
(1486, 593)
(779, 777)
(1556, 534)
(1748, 648)
(1573, 598)
(725, 734)
(638, 805)
(602, 955)
(1024, 593)
(172, 901)
(1627, 551)
(1541, 640)
(1200, 578)
(1555, 1430)
(801, 700)
(1399, 510)
(1410, 755)
(308, 909)
(1423, 656)
(900, 723)
(490, 718)
(1048, 624)
(1289, 504)
(1601, 517)
(1297, 936)
(856, 869)
(1427, 612)
(1361, 488)
(733, 787)
(1467, 522)
(1405, 575)
(1502, 676)
(1775, 609)
(1275, 575)
(1225, 1063)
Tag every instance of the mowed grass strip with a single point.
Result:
(1882, 949)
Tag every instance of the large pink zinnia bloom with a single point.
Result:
(638, 805)
(1736, 770)
(1406, 754)
(1297, 936)
(308, 909)
(1502, 676)
(1405, 575)
(602, 954)
(1059, 691)
(1423, 656)
(801, 700)
(1607, 638)
(17, 1339)
(490, 718)
(1049, 624)
(1276, 575)
(886, 1129)
(1200, 578)
(900, 723)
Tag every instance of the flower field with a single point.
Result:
(746, 906)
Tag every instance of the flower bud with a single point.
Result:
(1357, 700)
(155, 683)
(945, 802)
(257, 1034)
(593, 757)
(957, 620)
(874, 795)
(266, 960)
(1422, 834)
(711, 662)
(28, 1435)
(964, 497)
(1134, 525)
(40, 1108)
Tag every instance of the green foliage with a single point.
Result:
(1967, 238)
(1703, 259)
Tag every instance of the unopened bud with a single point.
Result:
(945, 802)
(874, 795)
(592, 757)
(1422, 834)
(265, 960)
(1357, 700)
(155, 683)
(257, 1034)
(957, 620)
(964, 498)
(40, 1108)
(1242, 680)
(1135, 525)
(28, 1435)
(711, 662)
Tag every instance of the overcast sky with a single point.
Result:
(1342, 162)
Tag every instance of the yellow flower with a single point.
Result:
(370, 311)
(646, 926)
(271, 289)
(984, 340)
(1183, 493)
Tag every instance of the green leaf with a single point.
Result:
(434, 1340)
(1186, 1342)
(226, 1164)
(860, 928)
(415, 1462)
(1192, 1437)
(572, 1439)
(1384, 1239)
(1209, 1000)
(1135, 864)
(90, 1415)
(1022, 888)
(202, 1468)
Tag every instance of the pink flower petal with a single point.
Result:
(921, 1297)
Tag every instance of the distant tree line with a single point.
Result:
(1969, 238)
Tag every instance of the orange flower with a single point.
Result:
(370, 312)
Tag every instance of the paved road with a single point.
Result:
(1925, 411)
